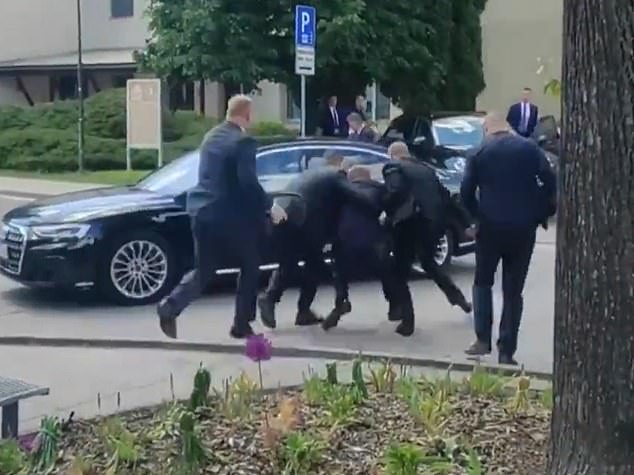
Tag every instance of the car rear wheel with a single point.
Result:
(444, 252)
(139, 268)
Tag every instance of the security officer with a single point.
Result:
(228, 210)
(510, 205)
(324, 190)
(362, 244)
(416, 206)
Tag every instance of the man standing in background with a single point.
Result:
(359, 131)
(501, 190)
(332, 123)
(523, 115)
(228, 210)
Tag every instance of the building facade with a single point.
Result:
(38, 55)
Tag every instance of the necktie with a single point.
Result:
(525, 116)
(334, 117)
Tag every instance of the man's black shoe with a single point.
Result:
(307, 318)
(478, 348)
(167, 318)
(267, 312)
(466, 307)
(241, 331)
(405, 329)
(331, 321)
(507, 360)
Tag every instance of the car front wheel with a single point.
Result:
(444, 252)
(139, 268)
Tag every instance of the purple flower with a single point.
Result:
(30, 443)
(258, 348)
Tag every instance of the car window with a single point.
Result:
(278, 162)
(458, 131)
(401, 128)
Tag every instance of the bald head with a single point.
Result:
(239, 110)
(495, 122)
(398, 150)
(359, 173)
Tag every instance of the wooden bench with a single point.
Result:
(12, 391)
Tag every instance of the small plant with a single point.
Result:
(520, 401)
(432, 410)
(122, 444)
(357, 378)
(546, 398)
(193, 452)
(383, 379)
(403, 459)
(486, 384)
(237, 396)
(46, 452)
(169, 421)
(200, 392)
(12, 459)
(301, 453)
(286, 421)
(474, 464)
(331, 373)
(341, 405)
(315, 389)
(80, 467)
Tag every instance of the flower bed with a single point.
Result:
(386, 422)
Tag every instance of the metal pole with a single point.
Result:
(303, 106)
(80, 95)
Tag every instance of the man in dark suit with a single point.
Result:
(332, 122)
(415, 209)
(359, 131)
(324, 191)
(501, 189)
(228, 210)
(362, 244)
(523, 115)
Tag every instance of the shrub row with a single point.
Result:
(43, 138)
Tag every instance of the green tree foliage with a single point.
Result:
(413, 48)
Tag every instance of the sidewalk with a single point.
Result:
(36, 186)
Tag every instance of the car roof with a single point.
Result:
(324, 142)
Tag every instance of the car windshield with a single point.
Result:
(175, 178)
(463, 132)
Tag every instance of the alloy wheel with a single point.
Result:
(139, 269)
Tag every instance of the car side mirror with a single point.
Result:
(419, 140)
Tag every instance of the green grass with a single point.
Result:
(106, 177)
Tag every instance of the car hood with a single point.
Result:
(88, 205)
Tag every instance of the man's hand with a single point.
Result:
(278, 215)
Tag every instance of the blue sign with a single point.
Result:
(305, 26)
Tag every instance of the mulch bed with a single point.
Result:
(474, 427)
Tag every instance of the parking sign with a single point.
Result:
(305, 26)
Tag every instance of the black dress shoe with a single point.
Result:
(167, 318)
(240, 332)
(507, 360)
(267, 312)
(307, 318)
(466, 307)
(478, 348)
(332, 320)
(405, 329)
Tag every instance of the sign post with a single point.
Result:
(144, 117)
(305, 41)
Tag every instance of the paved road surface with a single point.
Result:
(442, 331)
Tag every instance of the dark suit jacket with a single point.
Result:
(328, 126)
(366, 134)
(359, 226)
(228, 189)
(514, 118)
(505, 172)
(413, 188)
(325, 192)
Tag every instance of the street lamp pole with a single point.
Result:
(80, 94)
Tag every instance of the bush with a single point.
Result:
(43, 138)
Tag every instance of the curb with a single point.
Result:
(279, 352)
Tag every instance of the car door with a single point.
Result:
(277, 167)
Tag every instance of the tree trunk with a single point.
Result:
(593, 415)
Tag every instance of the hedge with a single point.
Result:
(43, 138)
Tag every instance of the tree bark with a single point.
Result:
(593, 415)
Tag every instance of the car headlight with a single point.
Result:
(60, 231)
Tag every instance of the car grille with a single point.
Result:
(15, 240)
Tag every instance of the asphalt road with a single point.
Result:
(442, 331)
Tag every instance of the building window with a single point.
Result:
(293, 111)
(121, 8)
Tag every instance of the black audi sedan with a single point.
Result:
(133, 243)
